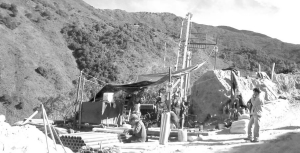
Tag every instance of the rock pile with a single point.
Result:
(213, 88)
(25, 139)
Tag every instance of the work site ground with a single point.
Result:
(281, 135)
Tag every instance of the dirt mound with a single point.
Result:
(272, 112)
(212, 90)
(288, 84)
(25, 139)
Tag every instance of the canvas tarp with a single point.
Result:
(158, 76)
(146, 80)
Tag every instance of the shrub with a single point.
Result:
(62, 13)
(46, 14)
(5, 6)
(42, 71)
(8, 22)
(28, 15)
(37, 20)
(14, 10)
(38, 7)
(6, 99)
(20, 105)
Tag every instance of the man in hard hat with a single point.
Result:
(138, 131)
(257, 102)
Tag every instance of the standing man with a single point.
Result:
(257, 102)
(138, 132)
(160, 104)
(176, 105)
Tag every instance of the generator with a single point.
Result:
(148, 114)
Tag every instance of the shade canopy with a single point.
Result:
(146, 80)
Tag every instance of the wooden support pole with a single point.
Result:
(56, 134)
(179, 47)
(165, 55)
(77, 97)
(216, 52)
(45, 127)
(232, 90)
(272, 73)
(170, 86)
(185, 54)
(80, 105)
(175, 84)
(29, 118)
(49, 126)
(78, 87)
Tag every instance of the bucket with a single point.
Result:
(221, 126)
(182, 135)
(201, 128)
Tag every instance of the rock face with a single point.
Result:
(213, 88)
(25, 139)
(289, 84)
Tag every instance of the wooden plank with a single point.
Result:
(118, 131)
(175, 133)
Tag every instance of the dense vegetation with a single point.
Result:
(101, 49)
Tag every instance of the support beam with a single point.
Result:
(272, 74)
(80, 105)
(170, 86)
(179, 44)
(165, 55)
(185, 53)
(216, 52)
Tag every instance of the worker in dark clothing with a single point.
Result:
(138, 132)
(176, 105)
(183, 111)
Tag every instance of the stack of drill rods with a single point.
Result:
(77, 140)
(103, 145)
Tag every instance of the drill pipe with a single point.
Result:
(95, 136)
(100, 139)
(85, 133)
(103, 142)
(103, 145)
(98, 136)
(86, 136)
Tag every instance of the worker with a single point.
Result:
(176, 105)
(183, 111)
(138, 133)
(257, 102)
(160, 104)
(134, 103)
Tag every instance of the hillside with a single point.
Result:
(45, 43)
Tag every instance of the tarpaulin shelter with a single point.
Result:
(147, 80)
(100, 112)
